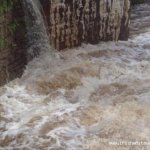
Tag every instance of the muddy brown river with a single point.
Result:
(88, 98)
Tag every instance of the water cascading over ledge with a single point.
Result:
(23, 36)
(37, 34)
(72, 22)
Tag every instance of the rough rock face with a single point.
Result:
(72, 22)
(12, 40)
(69, 22)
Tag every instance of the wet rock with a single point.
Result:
(12, 41)
(73, 22)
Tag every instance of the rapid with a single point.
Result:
(82, 98)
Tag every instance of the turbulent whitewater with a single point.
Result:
(82, 99)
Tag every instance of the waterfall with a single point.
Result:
(37, 35)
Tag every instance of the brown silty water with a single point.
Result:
(82, 99)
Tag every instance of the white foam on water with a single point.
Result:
(108, 100)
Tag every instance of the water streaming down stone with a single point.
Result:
(73, 22)
(38, 39)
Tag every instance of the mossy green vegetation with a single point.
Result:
(5, 6)
(12, 40)
(2, 42)
(8, 23)
(13, 26)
